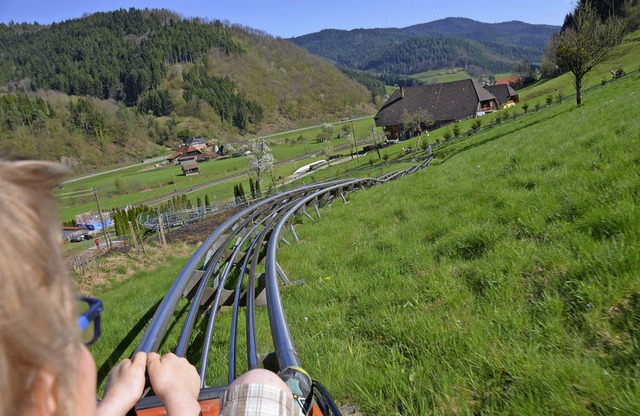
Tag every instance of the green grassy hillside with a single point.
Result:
(502, 280)
(442, 75)
(626, 57)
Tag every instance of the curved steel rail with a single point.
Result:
(243, 244)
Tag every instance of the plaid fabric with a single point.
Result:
(258, 399)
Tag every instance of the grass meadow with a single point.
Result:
(442, 75)
(627, 57)
(137, 184)
(502, 279)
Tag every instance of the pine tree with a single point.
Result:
(241, 192)
(253, 188)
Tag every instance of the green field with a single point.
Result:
(139, 184)
(502, 279)
(389, 90)
(442, 75)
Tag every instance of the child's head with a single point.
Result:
(39, 339)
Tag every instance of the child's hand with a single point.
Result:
(124, 386)
(176, 382)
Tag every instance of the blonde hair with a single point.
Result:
(38, 327)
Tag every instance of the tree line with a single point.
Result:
(627, 10)
(220, 94)
(115, 55)
(447, 43)
(21, 110)
(428, 53)
(374, 85)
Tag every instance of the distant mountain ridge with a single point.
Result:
(442, 43)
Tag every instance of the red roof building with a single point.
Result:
(189, 152)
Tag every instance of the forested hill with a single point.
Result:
(128, 80)
(117, 55)
(443, 43)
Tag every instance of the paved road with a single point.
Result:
(93, 175)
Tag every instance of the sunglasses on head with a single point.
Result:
(89, 319)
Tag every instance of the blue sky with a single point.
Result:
(287, 18)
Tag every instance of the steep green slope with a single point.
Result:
(501, 280)
(289, 83)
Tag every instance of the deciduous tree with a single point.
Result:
(586, 42)
(261, 159)
(376, 139)
(418, 121)
(327, 149)
(326, 133)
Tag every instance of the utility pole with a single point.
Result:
(104, 226)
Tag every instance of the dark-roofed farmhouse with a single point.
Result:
(189, 152)
(446, 103)
(505, 94)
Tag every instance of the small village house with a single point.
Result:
(506, 95)
(197, 142)
(515, 81)
(189, 167)
(189, 152)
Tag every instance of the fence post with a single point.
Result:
(163, 240)
(133, 236)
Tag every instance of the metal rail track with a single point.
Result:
(244, 244)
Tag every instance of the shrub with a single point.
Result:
(447, 135)
(121, 185)
(525, 107)
(385, 156)
(456, 129)
(549, 99)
